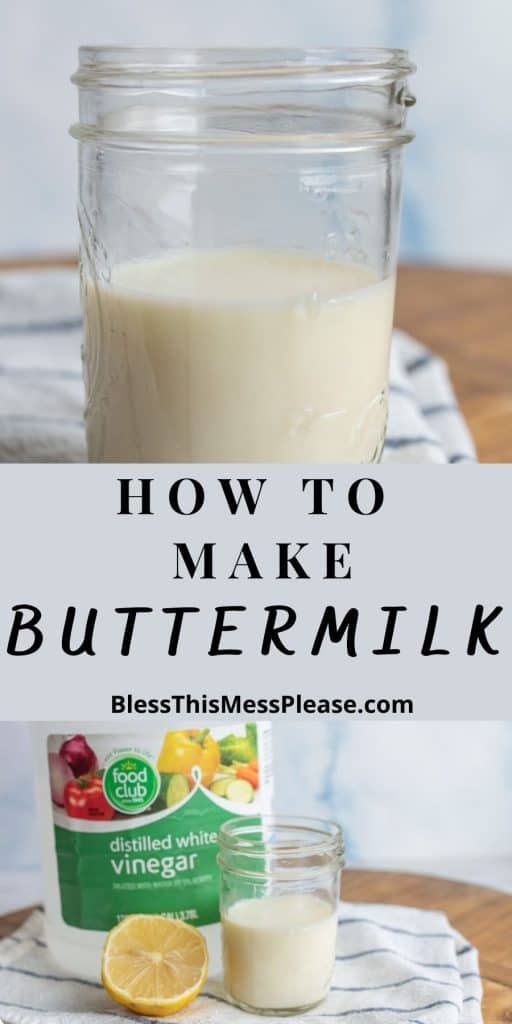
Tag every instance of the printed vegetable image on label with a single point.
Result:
(136, 818)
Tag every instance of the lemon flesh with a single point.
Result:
(154, 965)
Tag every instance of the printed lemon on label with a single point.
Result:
(154, 965)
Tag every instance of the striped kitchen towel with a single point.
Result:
(394, 965)
(41, 392)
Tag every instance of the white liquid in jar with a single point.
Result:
(279, 951)
(237, 355)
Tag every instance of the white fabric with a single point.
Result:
(394, 964)
(41, 392)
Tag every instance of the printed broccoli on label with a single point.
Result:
(239, 748)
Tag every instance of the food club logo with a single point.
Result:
(131, 783)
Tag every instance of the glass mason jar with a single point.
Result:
(239, 218)
(279, 892)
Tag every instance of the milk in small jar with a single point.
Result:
(280, 882)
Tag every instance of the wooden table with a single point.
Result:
(466, 317)
(484, 916)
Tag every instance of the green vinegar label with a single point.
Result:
(136, 827)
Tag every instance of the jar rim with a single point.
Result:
(286, 100)
(286, 860)
(313, 835)
(351, 65)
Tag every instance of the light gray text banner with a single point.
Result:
(441, 541)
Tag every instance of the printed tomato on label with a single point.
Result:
(84, 798)
(185, 749)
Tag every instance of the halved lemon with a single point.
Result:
(154, 965)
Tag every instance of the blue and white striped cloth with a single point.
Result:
(41, 392)
(394, 965)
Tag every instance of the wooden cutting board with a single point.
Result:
(465, 316)
(484, 916)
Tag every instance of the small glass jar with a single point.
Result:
(239, 218)
(279, 892)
